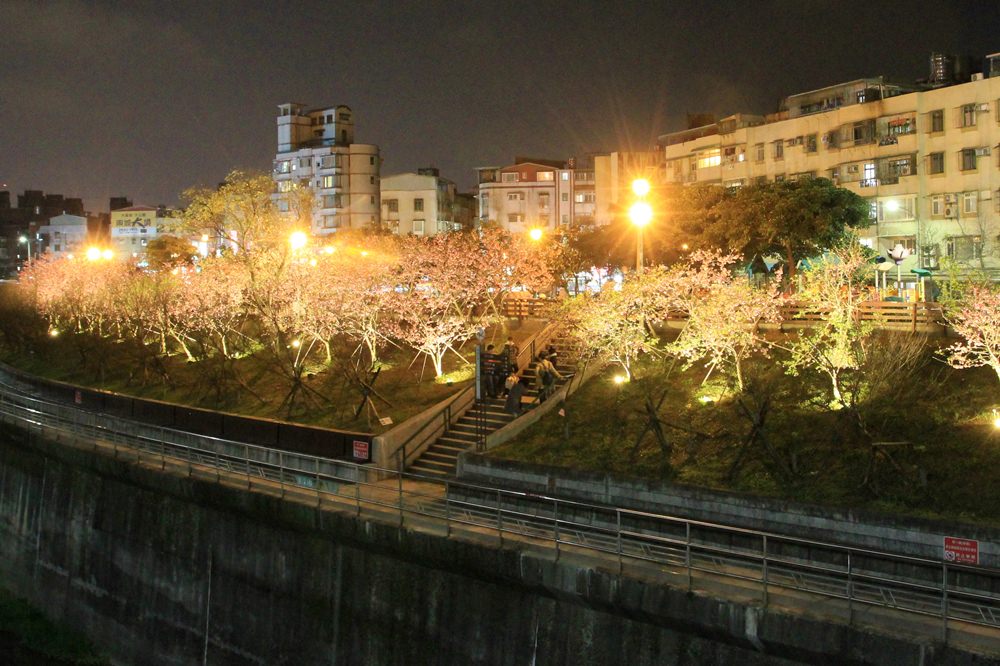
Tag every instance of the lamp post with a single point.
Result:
(640, 213)
(899, 255)
(26, 241)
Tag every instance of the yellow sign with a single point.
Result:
(133, 222)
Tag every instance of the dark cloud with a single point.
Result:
(148, 98)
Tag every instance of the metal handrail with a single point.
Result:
(347, 482)
(445, 413)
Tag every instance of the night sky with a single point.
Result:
(147, 99)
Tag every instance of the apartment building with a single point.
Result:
(537, 193)
(926, 157)
(133, 227)
(64, 235)
(421, 203)
(316, 149)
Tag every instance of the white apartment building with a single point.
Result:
(316, 148)
(533, 193)
(928, 161)
(421, 203)
(64, 235)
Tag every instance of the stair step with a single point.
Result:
(435, 456)
(416, 468)
(435, 464)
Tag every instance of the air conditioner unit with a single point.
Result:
(904, 170)
(984, 107)
(982, 152)
(852, 168)
(949, 211)
(985, 195)
(978, 76)
(951, 198)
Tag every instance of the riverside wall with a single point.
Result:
(160, 568)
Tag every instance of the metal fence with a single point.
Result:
(680, 548)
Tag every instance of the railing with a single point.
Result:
(527, 307)
(437, 424)
(917, 315)
(678, 549)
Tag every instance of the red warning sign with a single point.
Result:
(961, 551)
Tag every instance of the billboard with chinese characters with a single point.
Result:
(133, 222)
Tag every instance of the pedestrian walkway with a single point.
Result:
(486, 416)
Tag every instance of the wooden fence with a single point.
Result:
(891, 315)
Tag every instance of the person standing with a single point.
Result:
(514, 393)
(491, 367)
(510, 352)
(549, 377)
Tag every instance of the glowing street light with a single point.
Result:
(640, 213)
(26, 241)
(640, 186)
(535, 234)
(107, 255)
(93, 253)
(298, 240)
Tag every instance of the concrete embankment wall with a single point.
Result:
(165, 569)
(861, 529)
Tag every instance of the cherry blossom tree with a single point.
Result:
(835, 286)
(724, 312)
(977, 320)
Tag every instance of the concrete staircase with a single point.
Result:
(441, 457)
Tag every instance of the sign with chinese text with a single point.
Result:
(961, 551)
(361, 449)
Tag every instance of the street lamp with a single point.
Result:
(298, 240)
(640, 213)
(535, 234)
(26, 241)
(899, 255)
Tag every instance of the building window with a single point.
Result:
(937, 163)
(391, 205)
(331, 201)
(284, 166)
(901, 209)
(515, 196)
(565, 196)
(709, 158)
(371, 180)
(965, 248)
(968, 117)
(778, 149)
(546, 175)
(329, 221)
(510, 177)
(371, 200)
(564, 175)
(371, 160)
(811, 143)
(779, 178)
(565, 220)
(515, 218)
(305, 162)
(418, 205)
(758, 152)
(970, 203)
(418, 227)
(285, 185)
(968, 159)
(329, 181)
(937, 206)
(868, 178)
(282, 205)
(909, 242)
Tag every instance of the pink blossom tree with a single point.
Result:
(977, 320)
